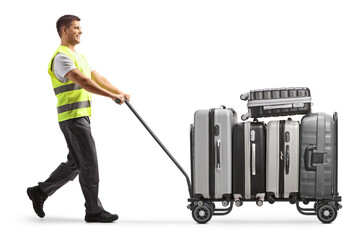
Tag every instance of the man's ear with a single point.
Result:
(63, 30)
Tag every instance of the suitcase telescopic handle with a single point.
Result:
(158, 141)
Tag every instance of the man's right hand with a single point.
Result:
(120, 97)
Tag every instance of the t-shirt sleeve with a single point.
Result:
(62, 64)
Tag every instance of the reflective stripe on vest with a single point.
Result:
(73, 106)
(67, 88)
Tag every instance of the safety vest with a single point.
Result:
(73, 100)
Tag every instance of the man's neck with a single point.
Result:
(72, 47)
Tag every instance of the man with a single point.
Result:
(73, 82)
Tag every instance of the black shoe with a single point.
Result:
(38, 198)
(103, 217)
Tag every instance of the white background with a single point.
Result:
(173, 57)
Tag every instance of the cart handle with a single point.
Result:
(159, 142)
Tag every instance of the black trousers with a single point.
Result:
(81, 160)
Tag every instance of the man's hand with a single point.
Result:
(118, 97)
(126, 96)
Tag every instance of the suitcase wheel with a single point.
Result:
(292, 199)
(271, 199)
(213, 206)
(326, 213)
(259, 202)
(244, 96)
(238, 202)
(202, 214)
(225, 203)
(245, 116)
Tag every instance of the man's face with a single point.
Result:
(73, 33)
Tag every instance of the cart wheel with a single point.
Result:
(202, 214)
(326, 213)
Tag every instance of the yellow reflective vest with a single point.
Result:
(73, 100)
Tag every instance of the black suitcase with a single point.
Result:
(249, 158)
(277, 102)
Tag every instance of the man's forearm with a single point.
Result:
(91, 86)
(104, 83)
(88, 84)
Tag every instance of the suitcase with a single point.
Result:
(318, 172)
(249, 157)
(277, 102)
(212, 154)
(282, 160)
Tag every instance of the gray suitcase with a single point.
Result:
(318, 172)
(277, 102)
(282, 160)
(212, 154)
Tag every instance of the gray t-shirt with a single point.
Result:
(62, 64)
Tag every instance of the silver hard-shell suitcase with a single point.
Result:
(282, 160)
(212, 153)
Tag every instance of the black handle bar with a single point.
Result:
(159, 142)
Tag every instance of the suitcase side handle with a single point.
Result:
(308, 158)
(218, 161)
(287, 159)
(253, 159)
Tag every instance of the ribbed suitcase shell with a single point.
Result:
(277, 102)
(249, 156)
(282, 152)
(318, 172)
(212, 176)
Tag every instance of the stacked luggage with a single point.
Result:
(282, 160)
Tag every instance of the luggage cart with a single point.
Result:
(204, 209)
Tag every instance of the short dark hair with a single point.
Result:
(65, 21)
